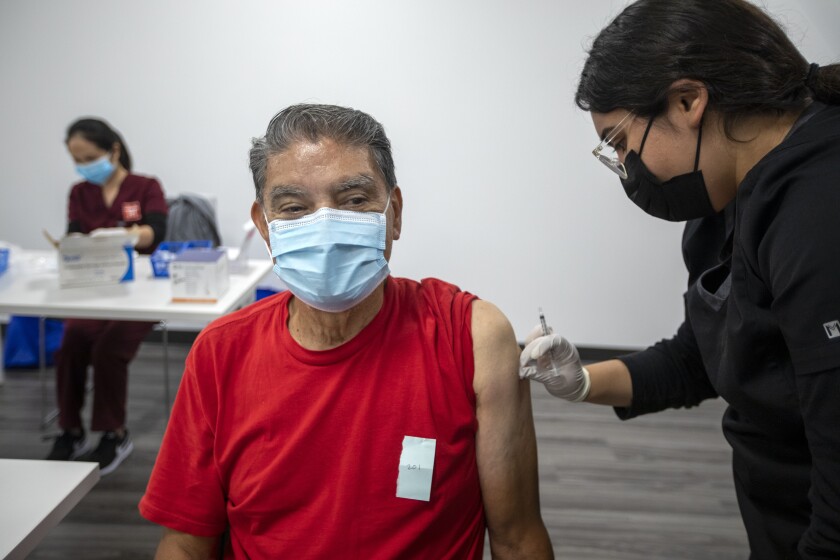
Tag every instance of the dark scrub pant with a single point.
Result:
(108, 346)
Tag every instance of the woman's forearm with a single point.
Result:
(146, 233)
(611, 384)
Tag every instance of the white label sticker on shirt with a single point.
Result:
(417, 463)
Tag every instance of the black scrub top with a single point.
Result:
(762, 330)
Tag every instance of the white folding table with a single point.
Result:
(30, 287)
(35, 496)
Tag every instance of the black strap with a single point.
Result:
(644, 138)
(697, 153)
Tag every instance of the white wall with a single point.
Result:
(501, 193)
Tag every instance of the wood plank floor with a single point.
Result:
(654, 488)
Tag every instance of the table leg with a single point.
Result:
(2, 361)
(164, 334)
(46, 417)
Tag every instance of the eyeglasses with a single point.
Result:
(609, 157)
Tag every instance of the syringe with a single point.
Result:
(542, 323)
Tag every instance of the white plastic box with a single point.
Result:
(199, 275)
(95, 260)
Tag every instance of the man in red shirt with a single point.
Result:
(356, 415)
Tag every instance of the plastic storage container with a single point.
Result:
(166, 252)
(4, 260)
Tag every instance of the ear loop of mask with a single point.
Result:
(696, 153)
(644, 138)
(268, 243)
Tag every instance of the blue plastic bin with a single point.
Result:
(166, 252)
(22, 348)
(4, 260)
(264, 293)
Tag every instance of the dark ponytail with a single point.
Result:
(743, 57)
(100, 134)
(824, 82)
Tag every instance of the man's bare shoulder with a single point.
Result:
(489, 323)
(494, 346)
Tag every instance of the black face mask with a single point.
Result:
(680, 198)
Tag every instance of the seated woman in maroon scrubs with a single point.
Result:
(110, 196)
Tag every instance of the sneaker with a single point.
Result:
(68, 447)
(110, 452)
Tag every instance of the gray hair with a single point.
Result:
(306, 122)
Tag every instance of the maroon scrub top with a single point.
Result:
(137, 198)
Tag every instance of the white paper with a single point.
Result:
(417, 463)
(117, 233)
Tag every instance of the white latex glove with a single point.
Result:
(554, 361)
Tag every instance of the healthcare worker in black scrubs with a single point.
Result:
(710, 115)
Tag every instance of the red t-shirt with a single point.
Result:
(298, 451)
(137, 197)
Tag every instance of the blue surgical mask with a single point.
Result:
(331, 259)
(97, 171)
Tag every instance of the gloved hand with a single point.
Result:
(554, 361)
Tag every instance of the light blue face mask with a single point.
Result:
(330, 259)
(98, 171)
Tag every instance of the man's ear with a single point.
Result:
(258, 217)
(687, 102)
(396, 207)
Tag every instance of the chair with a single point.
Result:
(192, 217)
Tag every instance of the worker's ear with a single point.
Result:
(687, 102)
(116, 151)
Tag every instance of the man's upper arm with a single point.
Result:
(184, 490)
(506, 449)
(175, 545)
